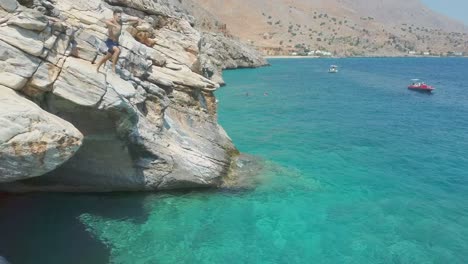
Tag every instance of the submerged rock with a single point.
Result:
(244, 172)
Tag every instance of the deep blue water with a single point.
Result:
(358, 170)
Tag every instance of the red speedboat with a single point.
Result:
(420, 86)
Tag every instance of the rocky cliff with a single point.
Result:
(151, 126)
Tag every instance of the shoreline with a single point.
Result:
(291, 57)
(347, 57)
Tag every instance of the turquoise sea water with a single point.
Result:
(358, 170)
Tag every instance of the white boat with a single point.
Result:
(333, 69)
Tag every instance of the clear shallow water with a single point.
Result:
(359, 170)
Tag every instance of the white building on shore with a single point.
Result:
(319, 53)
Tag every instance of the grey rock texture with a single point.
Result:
(15, 66)
(208, 53)
(165, 8)
(79, 83)
(9, 5)
(218, 52)
(32, 141)
(152, 126)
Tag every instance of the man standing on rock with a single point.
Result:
(115, 30)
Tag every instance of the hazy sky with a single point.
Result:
(454, 8)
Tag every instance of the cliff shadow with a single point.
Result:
(45, 228)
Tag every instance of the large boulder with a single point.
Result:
(32, 141)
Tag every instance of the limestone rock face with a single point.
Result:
(15, 66)
(218, 53)
(31, 20)
(122, 87)
(166, 8)
(150, 126)
(43, 79)
(26, 40)
(80, 83)
(9, 5)
(179, 41)
(182, 77)
(32, 141)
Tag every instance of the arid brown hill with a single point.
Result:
(344, 27)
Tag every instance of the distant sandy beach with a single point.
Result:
(291, 57)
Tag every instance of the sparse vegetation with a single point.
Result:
(357, 34)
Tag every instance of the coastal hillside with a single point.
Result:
(343, 27)
(151, 125)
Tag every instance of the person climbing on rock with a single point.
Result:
(115, 30)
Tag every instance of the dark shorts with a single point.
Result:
(110, 45)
